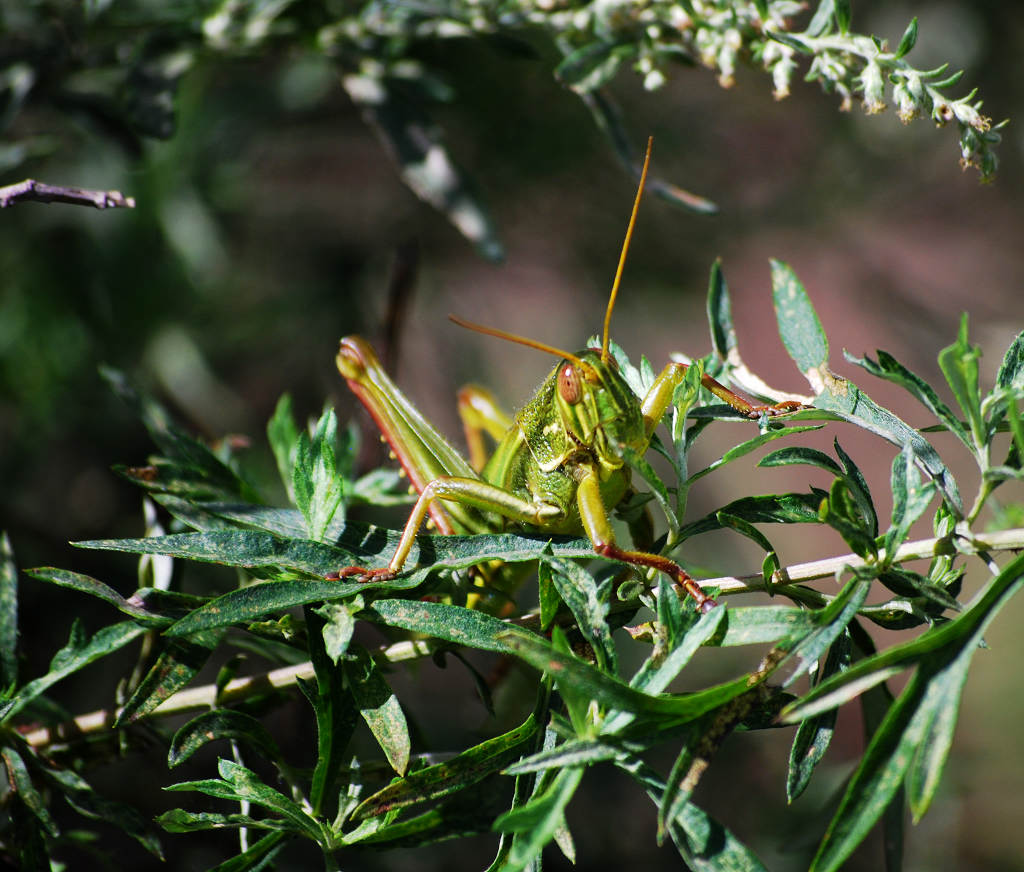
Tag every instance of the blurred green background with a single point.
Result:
(267, 226)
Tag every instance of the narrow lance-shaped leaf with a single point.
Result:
(78, 652)
(890, 369)
(799, 325)
(283, 435)
(220, 724)
(959, 363)
(8, 614)
(175, 667)
(380, 709)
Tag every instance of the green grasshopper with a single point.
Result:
(558, 467)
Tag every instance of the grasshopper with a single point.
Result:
(559, 465)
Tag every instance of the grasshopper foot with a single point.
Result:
(365, 575)
(783, 408)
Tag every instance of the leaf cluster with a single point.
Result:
(584, 707)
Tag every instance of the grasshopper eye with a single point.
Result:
(569, 387)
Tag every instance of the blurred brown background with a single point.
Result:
(265, 230)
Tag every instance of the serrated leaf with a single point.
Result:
(219, 724)
(333, 701)
(911, 497)
(908, 40)
(317, 482)
(180, 821)
(799, 326)
(380, 709)
(191, 467)
(338, 628)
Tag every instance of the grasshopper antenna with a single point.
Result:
(622, 257)
(521, 340)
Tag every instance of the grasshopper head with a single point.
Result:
(597, 408)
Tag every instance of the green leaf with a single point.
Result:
(799, 326)
(830, 623)
(8, 614)
(283, 435)
(338, 627)
(841, 512)
(719, 308)
(843, 15)
(93, 587)
(846, 400)
(704, 844)
(80, 795)
(749, 445)
(878, 667)
(316, 480)
(814, 735)
(578, 591)
(190, 467)
(536, 823)
(791, 508)
(220, 724)
(258, 856)
(911, 497)
(890, 369)
(585, 681)
(592, 66)
(959, 364)
(380, 709)
(467, 768)
(180, 821)
(908, 40)
(19, 781)
(78, 652)
(175, 667)
(334, 705)
(239, 784)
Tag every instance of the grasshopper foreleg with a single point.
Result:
(660, 395)
(467, 492)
